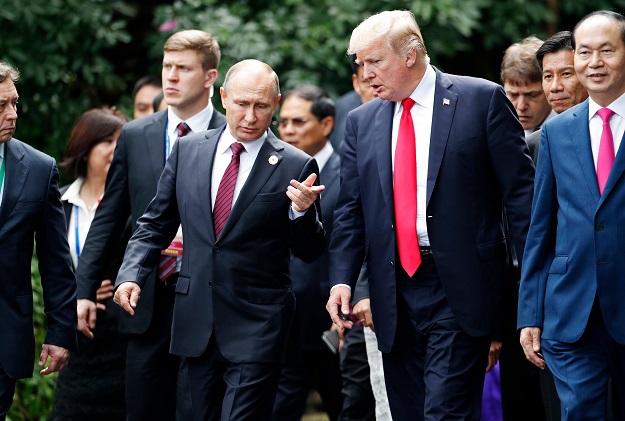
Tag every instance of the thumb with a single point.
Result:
(536, 340)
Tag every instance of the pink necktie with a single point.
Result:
(223, 201)
(167, 264)
(606, 149)
(405, 192)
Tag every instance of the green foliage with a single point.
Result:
(34, 396)
(58, 46)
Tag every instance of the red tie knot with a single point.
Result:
(237, 148)
(605, 114)
(182, 129)
(407, 103)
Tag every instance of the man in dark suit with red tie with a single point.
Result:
(190, 64)
(426, 170)
(30, 209)
(246, 200)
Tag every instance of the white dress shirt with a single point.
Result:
(79, 223)
(223, 156)
(595, 125)
(421, 113)
(197, 123)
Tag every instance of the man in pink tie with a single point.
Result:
(426, 169)
(573, 277)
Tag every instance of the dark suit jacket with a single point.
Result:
(575, 244)
(31, 210)
(311, 281)
(130, 186)
(478, 160)
(237, 287)
(533, 143)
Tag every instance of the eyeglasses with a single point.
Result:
(297, 122)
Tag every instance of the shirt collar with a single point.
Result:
(72, 194)
(423, 94)
(618, 106)
(227, 139)
(324, 155)
(2, 149)
(197, 123)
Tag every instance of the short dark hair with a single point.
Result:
(92, 127)
(354, 65)
(322, 105)
(150, 80)
(156, 103)
(555, 43)
(606, 13)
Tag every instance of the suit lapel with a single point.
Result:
(382, 137)
(442, 117)
(579, 135)
(260, 173)
(616, 172)
(15, 176)
(331, 167)
(206, 155)
(154, 143)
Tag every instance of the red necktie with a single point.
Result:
(167, 264)
(605, 159)
(405, 192)
(223, 201)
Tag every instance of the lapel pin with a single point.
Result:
(273, 160)
(445, 101)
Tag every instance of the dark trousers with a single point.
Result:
(225, 390)
(7, 389)
(358, 399)
(582, 371)
(435, 370)
(520, 379)
(156, 384)
(316, 368)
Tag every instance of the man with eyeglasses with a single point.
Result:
(306, 121)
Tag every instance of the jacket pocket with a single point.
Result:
(559, 265)
(182, 287)
(25, 303)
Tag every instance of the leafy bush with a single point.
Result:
(34, 396)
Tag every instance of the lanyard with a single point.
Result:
(76, 234)
(167, 141)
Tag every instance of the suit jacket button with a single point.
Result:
(216, 249)
(210, 283)
(392, 264)
(599, 226)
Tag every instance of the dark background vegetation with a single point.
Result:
(79, 54)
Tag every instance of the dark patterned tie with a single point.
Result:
(223, 202)
(182, 129)
(167, 264)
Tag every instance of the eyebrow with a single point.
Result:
(605, 44)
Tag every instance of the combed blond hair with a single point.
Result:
(398, 27)
(199, 41)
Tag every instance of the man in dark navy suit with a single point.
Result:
(306, 120)
(426, 169)
(30, 209)
(189, 71)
